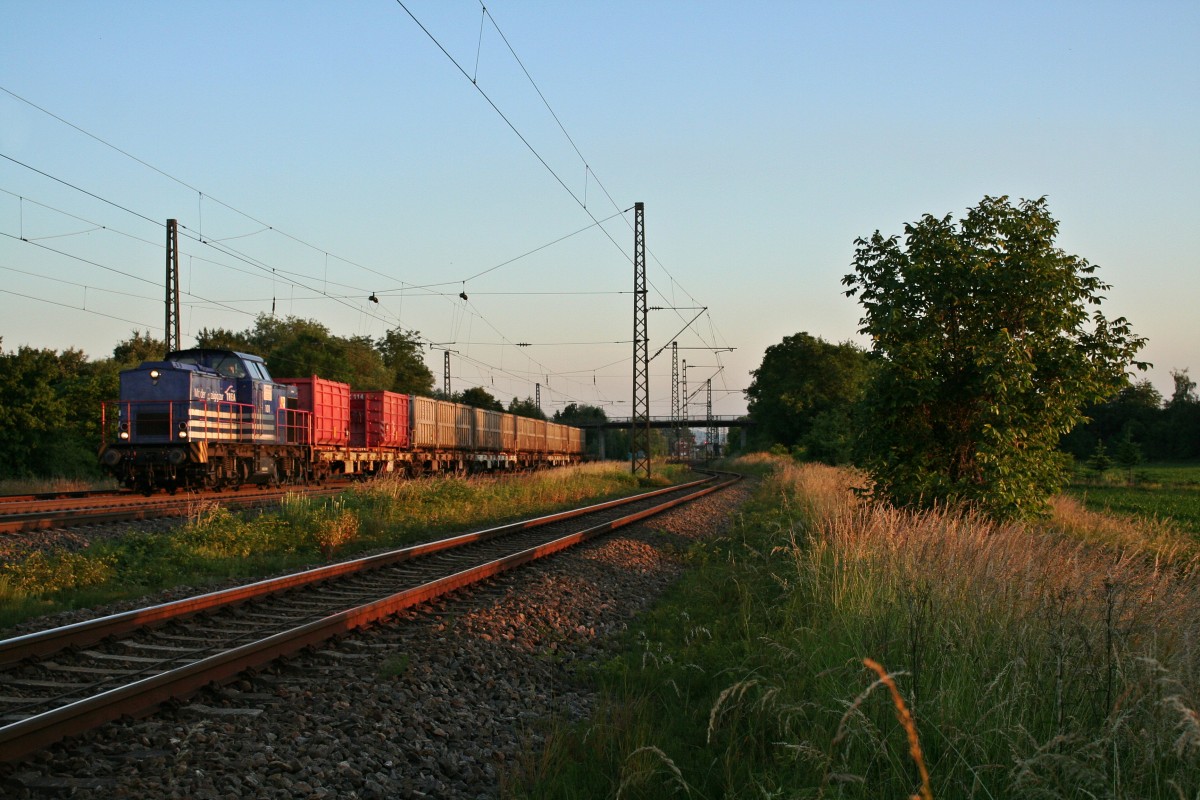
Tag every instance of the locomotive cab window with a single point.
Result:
(223, 362)
(230, 366)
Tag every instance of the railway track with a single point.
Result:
(73, 494)
(60, 682)
(23, 513)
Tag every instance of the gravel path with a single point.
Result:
(434, 705)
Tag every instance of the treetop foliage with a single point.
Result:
(295, 348)
(803, 393)
(479, 397)
(577, 414)
(525, 408)
(990, 344)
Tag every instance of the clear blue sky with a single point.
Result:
(330, 150)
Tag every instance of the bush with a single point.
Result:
(60, 570)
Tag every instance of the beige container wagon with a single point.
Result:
(489, 430)
(442, 425)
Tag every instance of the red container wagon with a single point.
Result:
(329, 402)
(380, 419)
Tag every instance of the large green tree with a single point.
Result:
(803, 394)
(402, 355)
(991, 343)
(50, 412)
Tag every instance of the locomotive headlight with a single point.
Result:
(155, 375)
(124, 434)
(183, 433)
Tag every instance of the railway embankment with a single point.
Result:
(445, 702)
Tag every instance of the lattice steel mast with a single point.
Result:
(171, 336)
(639, 435)
(711, 433)
(683, 410)
(676, 423)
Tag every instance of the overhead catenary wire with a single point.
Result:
(301, 280)
(82, 285)
(533, 150)
(74, 308)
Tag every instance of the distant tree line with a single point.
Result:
(50, 401)
(295, 347)
(1161, 429)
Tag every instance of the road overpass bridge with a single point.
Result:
(597, 428)
(624, 423)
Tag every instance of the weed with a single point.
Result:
(43, 573)
(394, 666)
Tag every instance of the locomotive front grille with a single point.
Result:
(152, 424)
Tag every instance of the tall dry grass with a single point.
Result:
(1055, 660)
(830, 647)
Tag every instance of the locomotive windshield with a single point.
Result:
(258, 370)
(224, 362)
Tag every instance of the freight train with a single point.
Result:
(209, 418)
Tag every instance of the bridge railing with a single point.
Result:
(723, 421)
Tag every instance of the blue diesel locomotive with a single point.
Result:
(206, 419)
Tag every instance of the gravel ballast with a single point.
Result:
(435, 704)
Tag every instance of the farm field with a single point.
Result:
(1162, 492)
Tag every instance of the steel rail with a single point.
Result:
(21, 522)
(31, 734)
(66, 494)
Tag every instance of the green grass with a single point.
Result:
(217, 545)
(1179, 505)
(1157, 492)
(1169, 474)
(1035, 666)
